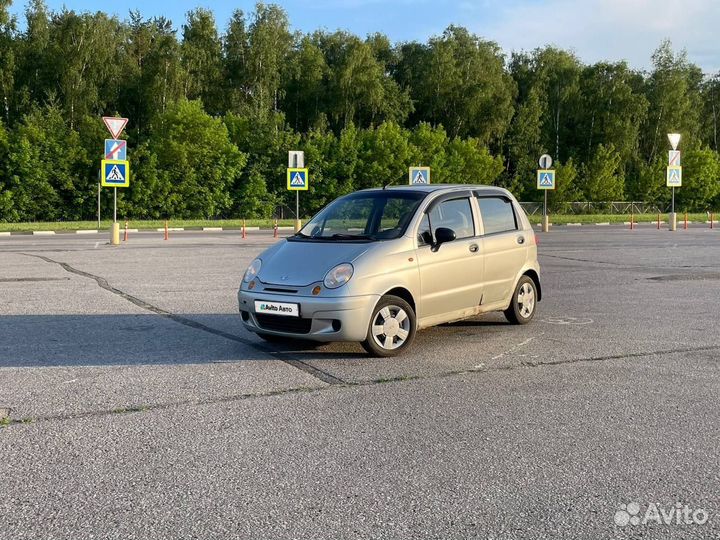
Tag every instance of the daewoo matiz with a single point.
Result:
(377, 265)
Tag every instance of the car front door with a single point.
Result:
(450, 274)
(504, 246)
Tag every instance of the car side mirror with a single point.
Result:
(442, 235)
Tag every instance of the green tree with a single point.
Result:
(195, 155)
(603, 176)
(201, 52)
(459, 81)
(673, 92)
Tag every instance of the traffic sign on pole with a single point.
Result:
(115, 173)
(419, 176)
(115, 149)
(296, 159)
(674, 176)
(115, 125)
(545, 161)
(546, 179)
(297, 179)
(674, 158)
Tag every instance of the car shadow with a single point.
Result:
(142, 339)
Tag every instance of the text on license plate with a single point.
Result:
(277, 308)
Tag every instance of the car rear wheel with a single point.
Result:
(524, 301)
(392, 327)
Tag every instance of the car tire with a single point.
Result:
(391, 329)
(524, 302)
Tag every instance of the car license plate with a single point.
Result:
(277, 308)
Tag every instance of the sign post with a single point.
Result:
(114, 168)
(297, 180)
(673, 176)
(545, 181)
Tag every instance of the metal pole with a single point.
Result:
(98, 206)
(115, 206)
(545, 221)
(297, 205)
(673, 199)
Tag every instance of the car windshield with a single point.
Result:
(364, 216)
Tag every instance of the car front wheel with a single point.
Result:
(392, 327)
(524, 301)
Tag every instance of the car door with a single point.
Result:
(503, 244)
(450, 274)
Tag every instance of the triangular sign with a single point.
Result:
(297, 180)
(115, 174)
(115, 125)
(545, 180)
(420, 178)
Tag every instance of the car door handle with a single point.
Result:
(474, 248)
(521, 239)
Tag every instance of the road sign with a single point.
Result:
(674, 176)
(115, 149)
(674, 139)
(545, 161)
(115, 125)
(674, 158)
(297, 179)
(296, 159)
(546, 179)
(115, 173)
(419, 176)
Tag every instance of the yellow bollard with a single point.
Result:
(115, 236)
(298, 225)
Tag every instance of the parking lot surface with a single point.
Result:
(138, 407)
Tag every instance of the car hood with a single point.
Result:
(301, 263)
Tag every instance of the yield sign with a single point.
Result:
(115, 125)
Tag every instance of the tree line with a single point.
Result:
(213, 114)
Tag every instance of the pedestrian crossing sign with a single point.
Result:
(419, 176)
(297, 179)
(115, 173)
(674, 176)
(546, 179)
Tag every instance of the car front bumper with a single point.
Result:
(322, 319)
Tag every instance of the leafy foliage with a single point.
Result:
(213, 113)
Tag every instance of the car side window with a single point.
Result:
(425, 237)
(455, 214)
(497, 215)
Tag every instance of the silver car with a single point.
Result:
(377, 265)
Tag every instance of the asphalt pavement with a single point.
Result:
(138, 407)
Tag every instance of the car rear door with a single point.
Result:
(504, 246)
(451, 274)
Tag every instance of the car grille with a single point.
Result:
(281, 323)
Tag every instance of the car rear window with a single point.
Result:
(497, 215)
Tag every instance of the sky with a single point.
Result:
(594, 29)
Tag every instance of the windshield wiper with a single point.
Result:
(343, 236)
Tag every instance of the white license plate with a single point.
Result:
(277, 308)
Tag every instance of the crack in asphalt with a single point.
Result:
(373, 382)
(289, 359)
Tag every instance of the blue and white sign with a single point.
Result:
(674, 176)
(115, 149)
(297, 179)
(115, 173)
(419, 176)
(546, 179)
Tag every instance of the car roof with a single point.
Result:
(433, 188)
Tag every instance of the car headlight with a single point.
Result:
(338, 276)
(252, 270)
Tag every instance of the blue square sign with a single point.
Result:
(546, 179)
(115, 173)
